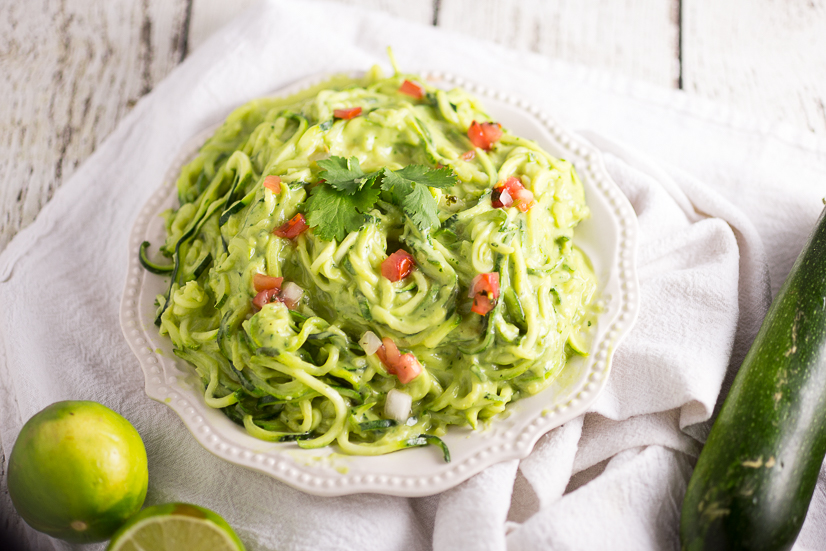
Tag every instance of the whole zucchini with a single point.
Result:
(755, 477)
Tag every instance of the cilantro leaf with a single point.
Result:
(346, 174)
(371, 179)
(420, 206)
(339, 205)
(391, 180)
(409, 189)
(343, 174)
(366, 198)
(432, 177)
(333, 214)
(416, 202)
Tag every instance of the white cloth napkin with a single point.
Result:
(724, 207)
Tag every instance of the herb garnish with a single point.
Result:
(339, 204)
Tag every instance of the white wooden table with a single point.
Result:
(71, 69)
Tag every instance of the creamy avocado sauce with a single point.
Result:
(300, 374)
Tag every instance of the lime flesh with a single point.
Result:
(173, 527)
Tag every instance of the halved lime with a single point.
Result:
(173, 527)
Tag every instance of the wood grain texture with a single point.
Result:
(766, 57)
(209, 15)
(637, 38)
(72, 71)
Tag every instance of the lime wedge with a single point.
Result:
(173, 527)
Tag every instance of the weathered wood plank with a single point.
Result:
(767, 57)
(209, 15)
(72, 71)
(636, 38)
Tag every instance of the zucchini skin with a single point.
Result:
(755, 477)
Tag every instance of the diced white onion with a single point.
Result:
(291, 293)
(370, 343)
(505, 198)
(397, 405)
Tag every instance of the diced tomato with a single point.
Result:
(398, 265)
(270, 290)
(482, 304)
(391, 351)
(477, 136)
(468, 155)
(265, 297)
(263, 282)
(347, 113)
(273, 183)
(412, 89)
(293, 227)
(404, 366)
(524, 200)
(485, 283)
(381, 354)
(381, 351)
(485, 292)
(484, 135)
(511, 192)
(492, 132)
(513, 185)
(407, 368)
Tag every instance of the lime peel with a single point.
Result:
(77, 471)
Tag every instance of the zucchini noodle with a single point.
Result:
(298, 374)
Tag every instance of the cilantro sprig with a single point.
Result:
(340, 204)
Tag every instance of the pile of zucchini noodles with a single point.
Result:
(300, 375)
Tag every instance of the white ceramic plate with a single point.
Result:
(609, 238)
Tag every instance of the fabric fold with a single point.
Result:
(634, 504)
(472, 515)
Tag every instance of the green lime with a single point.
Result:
(176, 526)
(77, 471)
